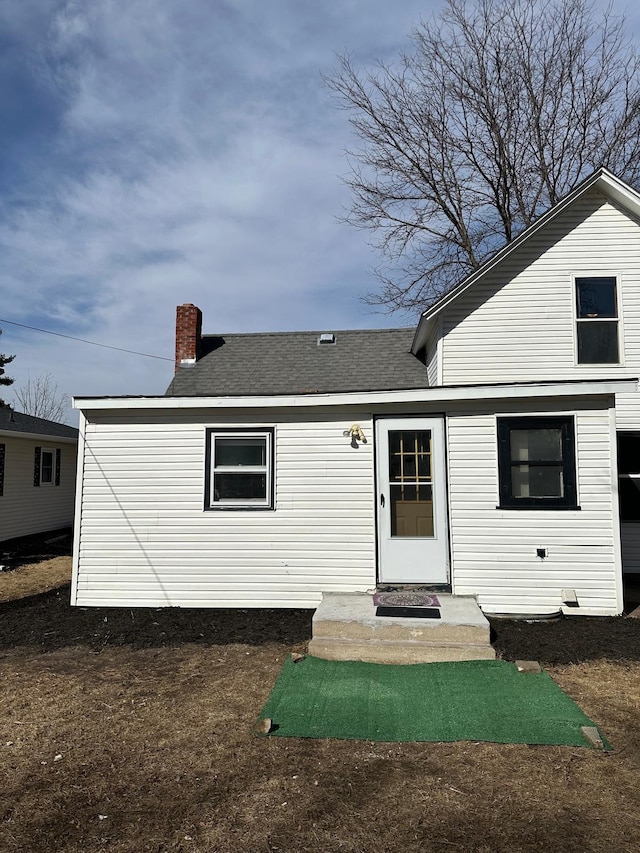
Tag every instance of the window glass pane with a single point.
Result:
(596, 297)
(629, 499)
(409, 466)
(395, 467)
(237, 486)
(394, 442)
(536, 445)
(240, 451)
(424, 466)
(628, 453)
(46, 475)
(411, 511)
(598, 342)
(537, 481)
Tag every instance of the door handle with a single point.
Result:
(382, 501)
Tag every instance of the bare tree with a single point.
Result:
(40, 397)
(497, 111)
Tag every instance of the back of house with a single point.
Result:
(476, 455)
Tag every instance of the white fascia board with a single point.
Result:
(38, 436)
(587, 388)
(602, 179)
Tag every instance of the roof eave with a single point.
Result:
(39, 436)
(438, 394)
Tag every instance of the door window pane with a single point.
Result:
(410, 479)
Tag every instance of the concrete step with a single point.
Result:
(345, 627)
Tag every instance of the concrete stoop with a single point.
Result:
(345, 627)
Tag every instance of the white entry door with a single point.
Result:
(411, 498)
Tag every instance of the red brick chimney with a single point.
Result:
(188, 334)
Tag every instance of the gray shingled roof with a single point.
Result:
(11, 421)
(294, 363)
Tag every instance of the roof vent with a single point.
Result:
(326, 338)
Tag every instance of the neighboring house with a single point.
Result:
(477, 454)
(37, 474)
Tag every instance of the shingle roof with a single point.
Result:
(11, 421)
(294, 363)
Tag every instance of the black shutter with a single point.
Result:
(36, 466)
(2, 449)
(58, 454)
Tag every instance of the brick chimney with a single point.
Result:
(188, 334)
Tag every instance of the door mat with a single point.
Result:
(481, 700)
(409, 612)
(405, 599)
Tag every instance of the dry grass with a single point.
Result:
(133, 734)
(34, 578)
(158, 742)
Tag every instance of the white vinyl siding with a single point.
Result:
(146, 540)
(518, 323)
(431, 355)
(25, 508)
(494, 551)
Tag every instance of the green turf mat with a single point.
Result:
(467, 700)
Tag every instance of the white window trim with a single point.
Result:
(213, 433)
(619, 318)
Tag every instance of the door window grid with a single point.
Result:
(409, 461)
(410, 483)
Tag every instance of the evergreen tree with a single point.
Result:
(5, 359)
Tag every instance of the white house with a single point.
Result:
(37, 474)
(476, 454)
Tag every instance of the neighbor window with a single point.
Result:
(239, 469)
(2, 455)
(597, 320)
(629, 475)
(536, 461)
(46, 468)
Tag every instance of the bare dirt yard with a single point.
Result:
(131, 731)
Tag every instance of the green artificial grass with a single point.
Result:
(483, 700)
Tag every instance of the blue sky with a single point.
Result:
(154, 152)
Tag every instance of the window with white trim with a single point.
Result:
(239, 469)
(46, 466)
(597, 320)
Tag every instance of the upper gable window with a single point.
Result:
(597, 320)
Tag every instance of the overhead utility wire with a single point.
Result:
(84, 341)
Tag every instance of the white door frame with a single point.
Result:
(402, 558)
